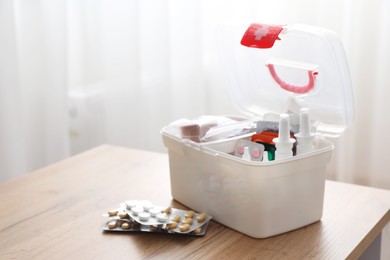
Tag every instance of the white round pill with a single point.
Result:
(162, 217)
(148, 206)
(154, 211)
(131, 204)
(136, 210)
(144, 216)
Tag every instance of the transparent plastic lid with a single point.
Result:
(280, 69)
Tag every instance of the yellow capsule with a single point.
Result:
(187, 221)
(172, 225)
(125, 225)
(111, 224)
(176, 218)
(184, 227)
(167, 210)
(112, 213)
(123, 215)
(201, 217)
(189, 214)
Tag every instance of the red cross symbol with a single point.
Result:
(261, 35)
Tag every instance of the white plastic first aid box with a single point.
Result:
(271, 70)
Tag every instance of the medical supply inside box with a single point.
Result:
(263, 173)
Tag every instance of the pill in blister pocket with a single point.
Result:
(125, 225)
(187, 221)
(201, 217)
(147, 207)
(123, 215)
(136, 210)
(189, 214)
(167, 210)
(184, 227)
(154, 211)
(176, 218)
(162, 217)
(172, 225)
(144, 216)
(255, 149)
(112, 213)
(131, 203)
(111, 224)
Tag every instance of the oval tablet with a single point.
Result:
(201, 217)
(167, 210)
(187, 221)
(176, 218)
(111, 224)
(184, 227)
(172, 225)
(125, 225)
(123, 215)
(112, 213)
(189, 214)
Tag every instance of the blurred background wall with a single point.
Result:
(78, 73)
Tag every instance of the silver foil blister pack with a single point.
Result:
(143, 216)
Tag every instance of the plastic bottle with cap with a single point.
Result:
(246, 156)
(305, 137)
(283, 142)
(265, 156)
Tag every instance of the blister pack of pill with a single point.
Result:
(254, 150)
(143, 216)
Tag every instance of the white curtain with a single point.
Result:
(75, 74)
(33, 86)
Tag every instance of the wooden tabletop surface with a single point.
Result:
(56, 213)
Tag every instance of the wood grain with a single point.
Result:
(55, 213)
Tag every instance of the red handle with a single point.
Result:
(299, 89)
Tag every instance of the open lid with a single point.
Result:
(280, 69)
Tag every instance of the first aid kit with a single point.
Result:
(263, 173)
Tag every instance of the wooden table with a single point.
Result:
(55, 213)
